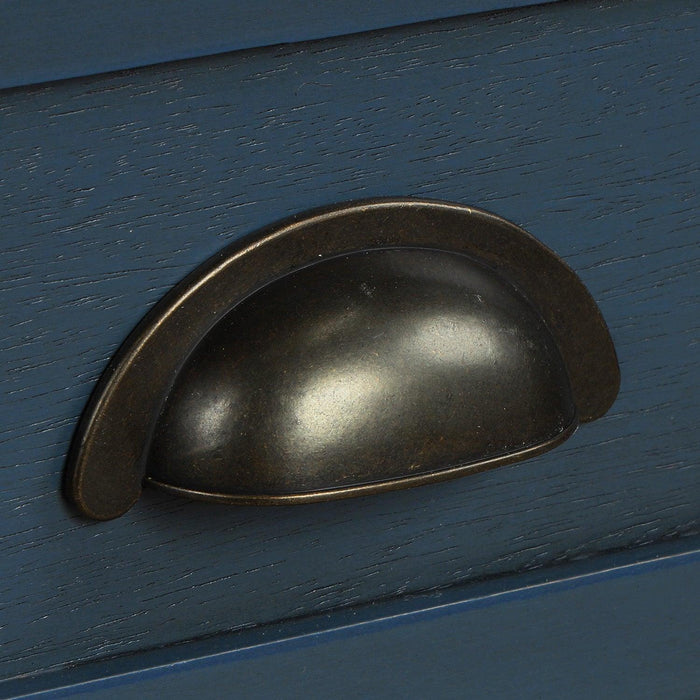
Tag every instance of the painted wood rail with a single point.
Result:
(577, 121)
(42, 40)
(620, 625)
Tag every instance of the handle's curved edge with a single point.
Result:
(106, 463)
(334, 494)
(103, 479)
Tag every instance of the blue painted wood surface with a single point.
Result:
(43, 40)
(575, 120)
(622, 626)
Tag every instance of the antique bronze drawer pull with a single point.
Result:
(370, 346)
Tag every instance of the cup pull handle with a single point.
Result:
(365, 347)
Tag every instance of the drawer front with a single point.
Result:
(573, 120)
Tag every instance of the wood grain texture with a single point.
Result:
(42, 40)
(620, 625)
(576, 121)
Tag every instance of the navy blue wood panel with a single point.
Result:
(43, 40)
(575, 120)
(616, 626)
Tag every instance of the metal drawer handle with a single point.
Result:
(370, 346)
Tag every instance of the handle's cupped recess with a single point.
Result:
(367, 347)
